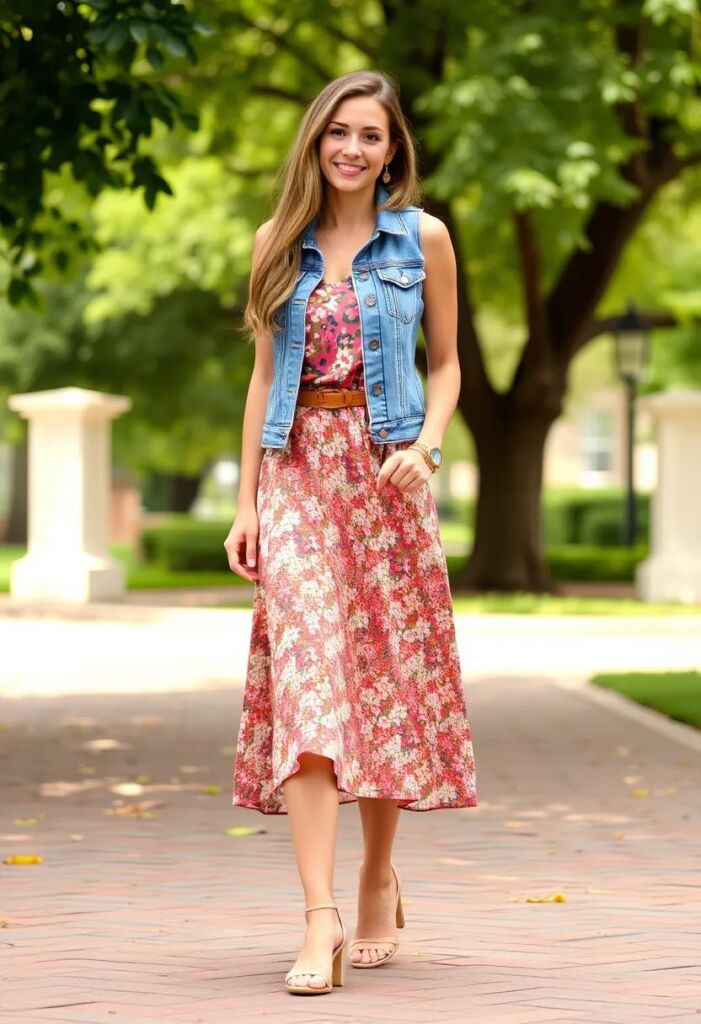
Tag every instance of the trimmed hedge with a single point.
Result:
(575, 516)
(189, 545)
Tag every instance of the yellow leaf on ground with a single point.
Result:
(25, 821)
(243, 830)
(24, 858)
(127, 789)
(555, 897)
(213, 788)
(639, 792)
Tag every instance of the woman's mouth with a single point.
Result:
(349, 170)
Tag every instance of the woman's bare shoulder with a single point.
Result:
(433, 229)
(265, 227)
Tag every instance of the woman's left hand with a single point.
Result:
(406, 469)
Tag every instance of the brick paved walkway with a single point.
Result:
(137, 919)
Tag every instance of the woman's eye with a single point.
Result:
(339, 131)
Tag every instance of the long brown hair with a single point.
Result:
(301, 182)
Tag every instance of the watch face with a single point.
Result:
(436, 456)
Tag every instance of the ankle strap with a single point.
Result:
(322, 906)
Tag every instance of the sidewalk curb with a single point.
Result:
(685, 734)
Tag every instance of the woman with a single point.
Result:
(353, 691)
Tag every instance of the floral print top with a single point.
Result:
(333, 350)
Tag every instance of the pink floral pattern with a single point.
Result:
(353, 652)
(332, 352)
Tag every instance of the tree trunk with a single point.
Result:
(181, 491)
(508, 549)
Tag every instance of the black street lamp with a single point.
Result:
(632, 353)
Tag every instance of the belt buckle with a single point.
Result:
(335, 391)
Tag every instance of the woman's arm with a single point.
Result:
(440, 327)
(256, 399)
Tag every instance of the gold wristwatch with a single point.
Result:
(432, 456)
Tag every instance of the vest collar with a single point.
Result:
(387, 220)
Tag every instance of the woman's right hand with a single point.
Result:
(241, 544)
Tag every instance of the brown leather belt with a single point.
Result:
(331, 398)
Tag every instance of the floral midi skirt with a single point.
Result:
(353, 653)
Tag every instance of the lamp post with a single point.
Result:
(632, 351)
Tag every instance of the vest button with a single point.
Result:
(403, 277)
(374, 343)
(370, 300)
(377, 389)
(382, 432)
(363, 275)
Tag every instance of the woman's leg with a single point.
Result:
(311, 795)
(377, 892)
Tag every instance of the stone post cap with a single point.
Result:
(92, 404)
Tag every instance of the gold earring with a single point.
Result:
(386, 175)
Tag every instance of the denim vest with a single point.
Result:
(387, 274)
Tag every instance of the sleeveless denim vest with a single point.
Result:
(387, 274)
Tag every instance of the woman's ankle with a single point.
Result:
(376, 873)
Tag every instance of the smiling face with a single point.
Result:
(355, 144)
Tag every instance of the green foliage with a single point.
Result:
(76, 92)
(184, 545)
(590, 517)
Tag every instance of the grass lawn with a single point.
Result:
(675, 694)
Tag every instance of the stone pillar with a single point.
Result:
(68, 497)
(672, 572)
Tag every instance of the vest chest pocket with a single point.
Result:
(402, 289)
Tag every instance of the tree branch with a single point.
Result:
(609, 324)
(359, 44)
(531, 275)
(281, 94)
(303, 55)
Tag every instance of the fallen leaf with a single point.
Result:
(127, 789)
(86, 769)
(191, 769)
(140, 809)
(24, 858)
(25, 821)
(143, 779)
(227, 751)
(555, 897)
(106, 744)
(243, 830)
(213, 788)
(639, 792)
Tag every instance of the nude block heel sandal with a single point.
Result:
(383, 939)
(337, 964)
